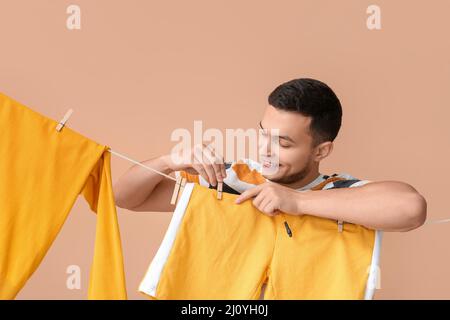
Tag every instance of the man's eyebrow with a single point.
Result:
(281, 137)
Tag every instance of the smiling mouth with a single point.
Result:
(269, 164)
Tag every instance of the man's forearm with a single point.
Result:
(135, 185)
(387, 205)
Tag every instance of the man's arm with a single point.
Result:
(384, 205)
(143, 190)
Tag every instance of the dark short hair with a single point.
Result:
(314, 99)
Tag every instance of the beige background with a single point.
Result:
(139, 69)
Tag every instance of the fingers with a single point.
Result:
(264, 203)
(270, 208)
(220, 164)
(201, 171)
(247, 194)
(263, 199)
(224, 170)
(209, 164)
(213, 163)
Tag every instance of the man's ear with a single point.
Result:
(323, 150)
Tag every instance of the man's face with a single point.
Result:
(295, 151)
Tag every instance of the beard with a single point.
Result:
(293, 177)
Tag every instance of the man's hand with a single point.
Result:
(201, 159)
(271, 198)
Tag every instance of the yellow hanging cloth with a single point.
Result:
(42, 172)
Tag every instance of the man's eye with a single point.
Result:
(284, 145)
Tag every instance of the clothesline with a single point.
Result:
(437, 221)
(66, 117)
(140, 164)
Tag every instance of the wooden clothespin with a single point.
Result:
(178, 189)
(63, 121)
(219, 190)
(340, 224)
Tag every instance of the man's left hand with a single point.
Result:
(272, 198)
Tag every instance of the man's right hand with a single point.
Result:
(200, 159)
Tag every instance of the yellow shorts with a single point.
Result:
(216, 249)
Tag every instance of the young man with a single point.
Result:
(308, 116)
